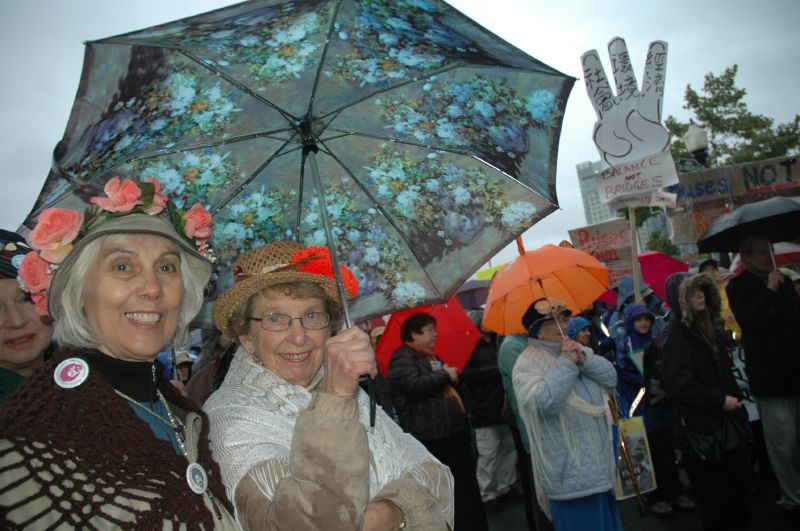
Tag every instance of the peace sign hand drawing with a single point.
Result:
(628, 125)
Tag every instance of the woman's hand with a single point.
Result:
(731, 403)
(348, 355)
(382, 515)
(571, 350)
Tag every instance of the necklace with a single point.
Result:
(172, 423)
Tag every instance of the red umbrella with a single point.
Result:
(456, 335)
(656, 267)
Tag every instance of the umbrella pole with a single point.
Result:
(552, 311)
(310, 153)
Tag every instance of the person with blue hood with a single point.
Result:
(630, 352)
(580, 330)
(614, 319)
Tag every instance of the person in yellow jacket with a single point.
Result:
(732, 330)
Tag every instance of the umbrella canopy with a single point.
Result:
(571, 275)
(456, 335)
(472, 294)
(776, 219)
(785, 253)
(415, 140)
(656, 267)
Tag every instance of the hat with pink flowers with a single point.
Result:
(128, 207)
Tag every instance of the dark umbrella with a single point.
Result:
(775, 219)
(472, 294)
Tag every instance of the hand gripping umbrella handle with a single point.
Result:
(311, 157)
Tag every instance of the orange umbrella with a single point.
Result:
(571, 275)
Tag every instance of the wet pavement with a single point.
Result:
(766, 515)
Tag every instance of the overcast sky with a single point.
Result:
(42, 43)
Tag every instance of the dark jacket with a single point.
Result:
(696, 378)
(484, 389)
(770, 322)
(418, 393)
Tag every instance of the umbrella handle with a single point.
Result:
(311, 157)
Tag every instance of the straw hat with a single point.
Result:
(278, 263)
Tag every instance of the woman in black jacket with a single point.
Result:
(430, 408)
(697, 374)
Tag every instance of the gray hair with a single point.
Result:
(73, 328)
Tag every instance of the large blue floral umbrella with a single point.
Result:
(402, 134)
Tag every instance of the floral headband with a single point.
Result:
(58, 229)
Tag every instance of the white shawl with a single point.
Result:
(252, 417)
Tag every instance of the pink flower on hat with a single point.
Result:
(40, 300)
(122, 196)
(198, 223)
(159, 199)
(54, 233)
(33, 273)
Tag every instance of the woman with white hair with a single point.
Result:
(96, 439)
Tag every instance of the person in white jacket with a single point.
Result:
(561, 389)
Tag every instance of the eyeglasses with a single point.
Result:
(278, 322)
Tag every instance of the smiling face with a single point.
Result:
(23, 334)
(294, 354)
(133, 296)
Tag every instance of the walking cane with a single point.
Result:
(624, 447)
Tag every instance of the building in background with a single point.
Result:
(595, 210)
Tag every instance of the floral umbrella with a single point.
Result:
(427, 142)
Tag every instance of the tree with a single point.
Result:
(661, 243)
(735, 135)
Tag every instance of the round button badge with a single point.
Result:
(196, 478)
(71, 372)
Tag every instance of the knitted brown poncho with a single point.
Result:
(81, 458)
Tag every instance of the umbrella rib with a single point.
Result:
(386, 215)
(244, 88)
(318, 75)
(278, 152)
(391, 88)
(345, 133)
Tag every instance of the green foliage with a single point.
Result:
(662, 243)
(642, 213)
(735, 135)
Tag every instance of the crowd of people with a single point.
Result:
(269, 428)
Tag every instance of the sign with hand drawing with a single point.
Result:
(628, 133)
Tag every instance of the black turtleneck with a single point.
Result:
(134, 378)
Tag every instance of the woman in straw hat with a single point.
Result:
(288, 424)
(96, 439)
(24, 334)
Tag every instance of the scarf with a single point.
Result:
(256, 410)
(137, 481)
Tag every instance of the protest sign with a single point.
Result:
(638, 181)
